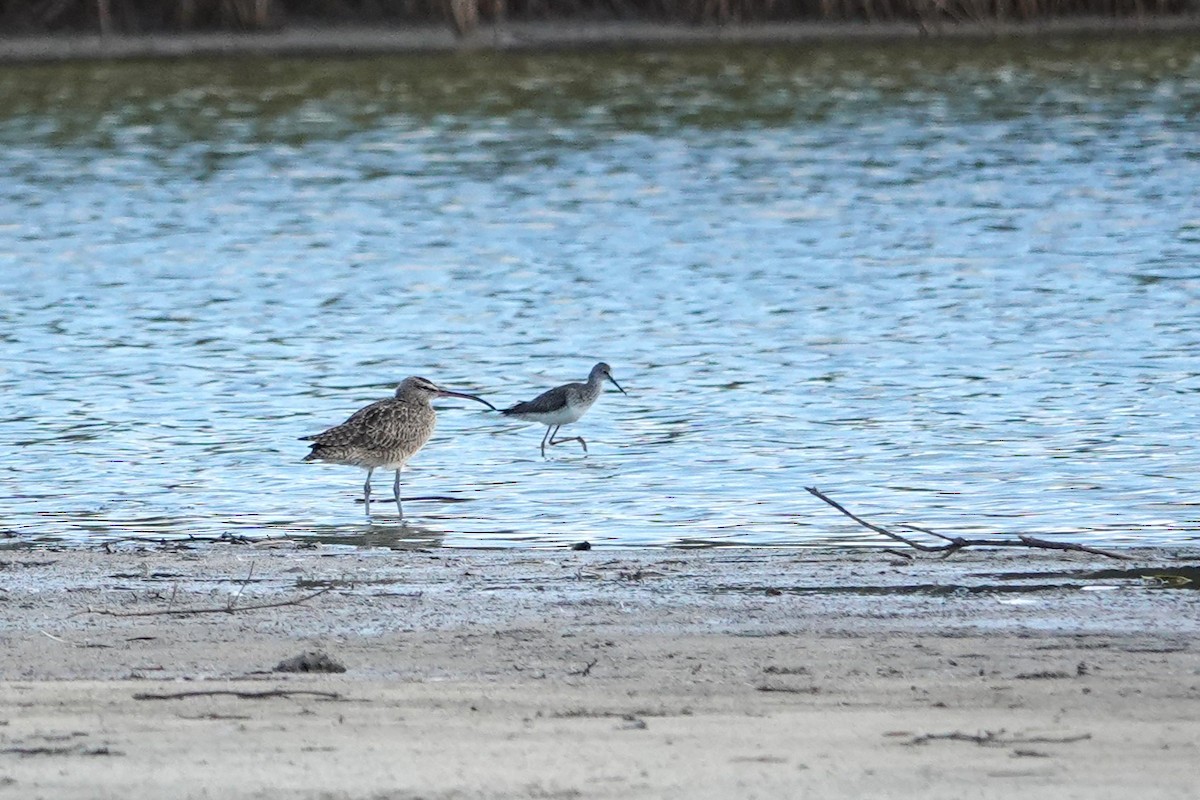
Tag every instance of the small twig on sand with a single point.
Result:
(587, 669)
(225, 609)
(58, 639)
(956, 543)
(242, 588)
(995, 738)
(74, 644)
(258, 695)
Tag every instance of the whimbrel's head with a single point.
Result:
(424, 390)
(602, 372)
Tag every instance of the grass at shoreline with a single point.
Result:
(549, 36)
(132, 17)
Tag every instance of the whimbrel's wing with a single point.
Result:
(544, 403)
(354, 430)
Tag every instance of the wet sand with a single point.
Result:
(558, 674)
(512, 36)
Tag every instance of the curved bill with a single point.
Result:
(447, 393)
(614, 383)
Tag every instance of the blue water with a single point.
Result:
(954, 285)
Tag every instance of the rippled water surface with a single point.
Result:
(957, 285)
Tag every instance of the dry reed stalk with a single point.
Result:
(464, 14)
(104, 16)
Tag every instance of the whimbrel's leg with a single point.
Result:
(547, 436)
(396, 489)
(367, 491)
(579, 439)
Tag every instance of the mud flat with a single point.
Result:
(689, 674)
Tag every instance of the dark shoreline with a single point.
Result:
(550, 37)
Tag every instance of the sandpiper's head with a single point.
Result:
(425, 389)
(602, 372)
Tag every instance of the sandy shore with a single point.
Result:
(549, 35)
(681, 674)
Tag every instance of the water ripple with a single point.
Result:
(950, 285)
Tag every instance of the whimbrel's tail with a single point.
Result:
(316, 453)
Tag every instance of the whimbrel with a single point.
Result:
(384, 434)
(564, 404)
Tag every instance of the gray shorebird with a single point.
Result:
(564, 404)
(384, 434)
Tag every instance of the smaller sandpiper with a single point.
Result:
(384, 434)
(564, 404)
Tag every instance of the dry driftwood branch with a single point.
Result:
(261, 694)
(225, 609)
(222, 538)
(995, 738)
(893, 551)
(955, 543)
(71, 750)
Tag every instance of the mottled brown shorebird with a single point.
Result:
(384, 434)
(564, 404)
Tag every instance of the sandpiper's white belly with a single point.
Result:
(559, 416)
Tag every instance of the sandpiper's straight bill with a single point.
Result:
(564, 404)
(384, 434)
